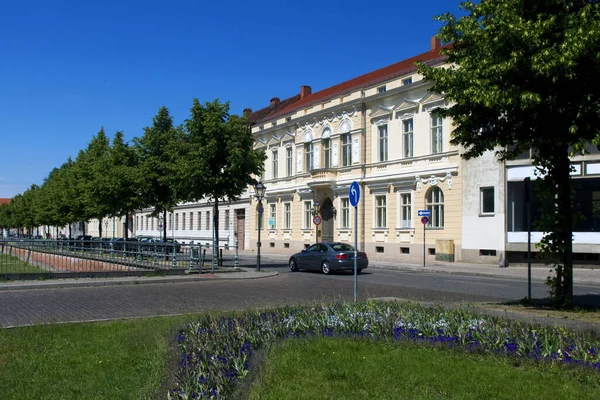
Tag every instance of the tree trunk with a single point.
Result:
(216, 228)
(100, 227)
(565, 220)
(164, 238)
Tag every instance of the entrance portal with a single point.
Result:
(327, 224)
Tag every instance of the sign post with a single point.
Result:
(424, 214)
(354, 195)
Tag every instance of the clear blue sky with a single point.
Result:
(67, 68)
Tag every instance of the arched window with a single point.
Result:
(435, 203)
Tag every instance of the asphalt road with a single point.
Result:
(27, 307)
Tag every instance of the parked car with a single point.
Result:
(329, 257)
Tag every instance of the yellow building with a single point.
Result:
(376, 129)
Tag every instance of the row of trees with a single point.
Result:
(210, 156)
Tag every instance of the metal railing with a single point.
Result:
(31, 258)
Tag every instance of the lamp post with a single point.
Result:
(259, 192)
(315, 212)
(106, 227)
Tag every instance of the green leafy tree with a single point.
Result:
(125, 179)
(524, 75)
(157, 154)
(219, 158)
(93, 180)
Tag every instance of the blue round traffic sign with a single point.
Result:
(354, 194)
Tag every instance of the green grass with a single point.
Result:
(326, 368)
(111, 360)
(12, 264)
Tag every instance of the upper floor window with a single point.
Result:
(183, 221)
(436, 134)
(289, 164)
(287, 215)
(199, 220)
(346, 149)
(208, 220)
(226, 219)
(327, 152)
(308, 155)
(406, 210)
(176, 221)
(191, 221)
(407, 81)
(383, 142)
(435, 203)
(275, 163)
(345, 223)
(381, 89)
(407, 133)
(380, 211)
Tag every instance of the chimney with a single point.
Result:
(435, 43)
(305, 91)
(247, 111)
(275, 100)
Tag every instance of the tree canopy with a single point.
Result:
(520, 76)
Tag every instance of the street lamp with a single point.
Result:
(259, 192)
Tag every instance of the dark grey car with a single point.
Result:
(329, 257)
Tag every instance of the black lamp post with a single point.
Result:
(259, 192)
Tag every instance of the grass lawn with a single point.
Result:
(111, 360)
(12, 264)
(326, 368)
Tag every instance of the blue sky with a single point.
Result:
(68, 68)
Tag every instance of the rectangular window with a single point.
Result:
(436, 134)
(345, 212)
(407, 81)
(152, 223)
(272, 216)
(308, 155)
(307, 214)
(227, 219)
(287, 215)
(327, 152)
(137, 223)
(407, 133)
(170, 226)
(381, 89)
(288, 155)
(208, 220)
(383, 142)
(380, 212)
(199, 220)
(183, 221)
(176, 221)
(486, 200)
(346, 150)
(147, 219)
(406, 205)
(275, 163)
(191, 221)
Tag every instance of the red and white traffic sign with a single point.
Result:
(317, 220)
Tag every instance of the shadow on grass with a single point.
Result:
(585, 302)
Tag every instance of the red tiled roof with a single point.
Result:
(265, 113)
(366, 80)
(4, 201)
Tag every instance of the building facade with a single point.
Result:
(378, 130)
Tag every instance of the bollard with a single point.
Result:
(220, 257)
(174, 257)
(236, 260)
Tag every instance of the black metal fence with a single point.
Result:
(33, 258)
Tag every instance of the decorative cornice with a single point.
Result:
(434, 180)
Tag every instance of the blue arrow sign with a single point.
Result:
(424, 213)
(354, 194)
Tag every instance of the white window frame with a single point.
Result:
(380, 204)
(408, 137)
(275, 163)
(227, 221)
(327, 153)
(309, 159)
(183, 221)
(345, 211)
(405, 218)
(382, 142)
(273, 215)
(208, 220)
(199, 221)
(346, 144)
(289, 153)
(191, 220)
(437, 134)
(287, 215)
(307, 214)
(482, 200)
(435, 204)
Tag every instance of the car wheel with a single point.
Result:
(326, 268)
(293, 265)
(359, 271)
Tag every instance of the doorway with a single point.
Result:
(240, 228)
(328, 218)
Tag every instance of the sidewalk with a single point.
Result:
(243, 273)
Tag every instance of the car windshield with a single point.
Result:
(342, 247)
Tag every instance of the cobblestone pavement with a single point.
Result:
(71, 304)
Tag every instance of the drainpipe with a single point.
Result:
(364, 164)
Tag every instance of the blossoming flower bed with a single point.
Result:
(215, 353)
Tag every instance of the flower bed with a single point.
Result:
(215, 353)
